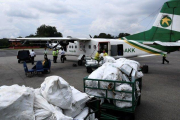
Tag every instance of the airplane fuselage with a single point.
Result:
(114, 47)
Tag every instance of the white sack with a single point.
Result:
(45, 111)
(139, 74)
(109, 59)
(83, 114)
(16, 103)
(125, 78)
(79, 100)
(97, 74)
(123, 96)
(57, 92)
(93, 92)
(126, 69)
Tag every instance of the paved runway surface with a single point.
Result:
(160, 92)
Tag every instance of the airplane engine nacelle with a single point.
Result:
(65, 43)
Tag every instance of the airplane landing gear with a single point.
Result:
(79, 62)
(145, 68)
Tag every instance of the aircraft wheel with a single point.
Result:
(145, 69)
(139, 101)
(19, 61)
(80, 62)
(89, 70)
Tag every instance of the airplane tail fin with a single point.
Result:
(166, 27)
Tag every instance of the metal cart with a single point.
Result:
(108, 111)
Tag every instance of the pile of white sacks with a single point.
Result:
(116, 70)
(54, 100)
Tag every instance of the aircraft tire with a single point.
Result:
(139, 101)
(80, 62)
(145, 69)
(89, 70)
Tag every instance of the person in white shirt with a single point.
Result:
(33, 54)
(62, 56)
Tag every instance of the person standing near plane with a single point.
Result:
(62, 55)
(57, 52)
(45, 53)
(33, 54)
(164, 59)
(54, 55)
(97, 56)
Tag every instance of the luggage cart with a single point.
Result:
(93, 64)
(108, 111)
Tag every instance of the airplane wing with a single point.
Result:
(52, 39)
(170, 44)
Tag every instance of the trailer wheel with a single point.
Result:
(80, 62)
(89, 70)
(145, 69)
(131, 116)
(19, 61)
(139, 101)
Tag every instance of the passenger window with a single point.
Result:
(75, 46)
(89, 46)
(69, 46)
(72, 46)
(94, 46)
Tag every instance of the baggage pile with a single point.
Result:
(54, 100)
(124, 71)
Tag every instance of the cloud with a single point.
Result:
(77, 18)
(22, 14)
(53, 6)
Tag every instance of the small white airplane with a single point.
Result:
(162, 38)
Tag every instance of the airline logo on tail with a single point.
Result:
(166, 21)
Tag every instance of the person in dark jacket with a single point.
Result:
(45, 63)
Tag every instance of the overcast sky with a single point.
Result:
(77, 18)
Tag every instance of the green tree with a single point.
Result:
(104, 35)
(47, 31)
(4, 42)
(123, 35)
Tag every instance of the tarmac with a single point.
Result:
(160, 99)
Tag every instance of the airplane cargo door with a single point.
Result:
(117, 50)
(113, 50)
(120, 50)
(104, 46)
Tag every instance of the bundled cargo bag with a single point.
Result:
(57, 92)
(78, 103)
(45, 111)
(16, 103)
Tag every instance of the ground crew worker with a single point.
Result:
(33, 54)
(104, 53)
(54, 55)
(45, 53)
(164, 59)
(62, 56)
(97, 56)
(57, 52)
